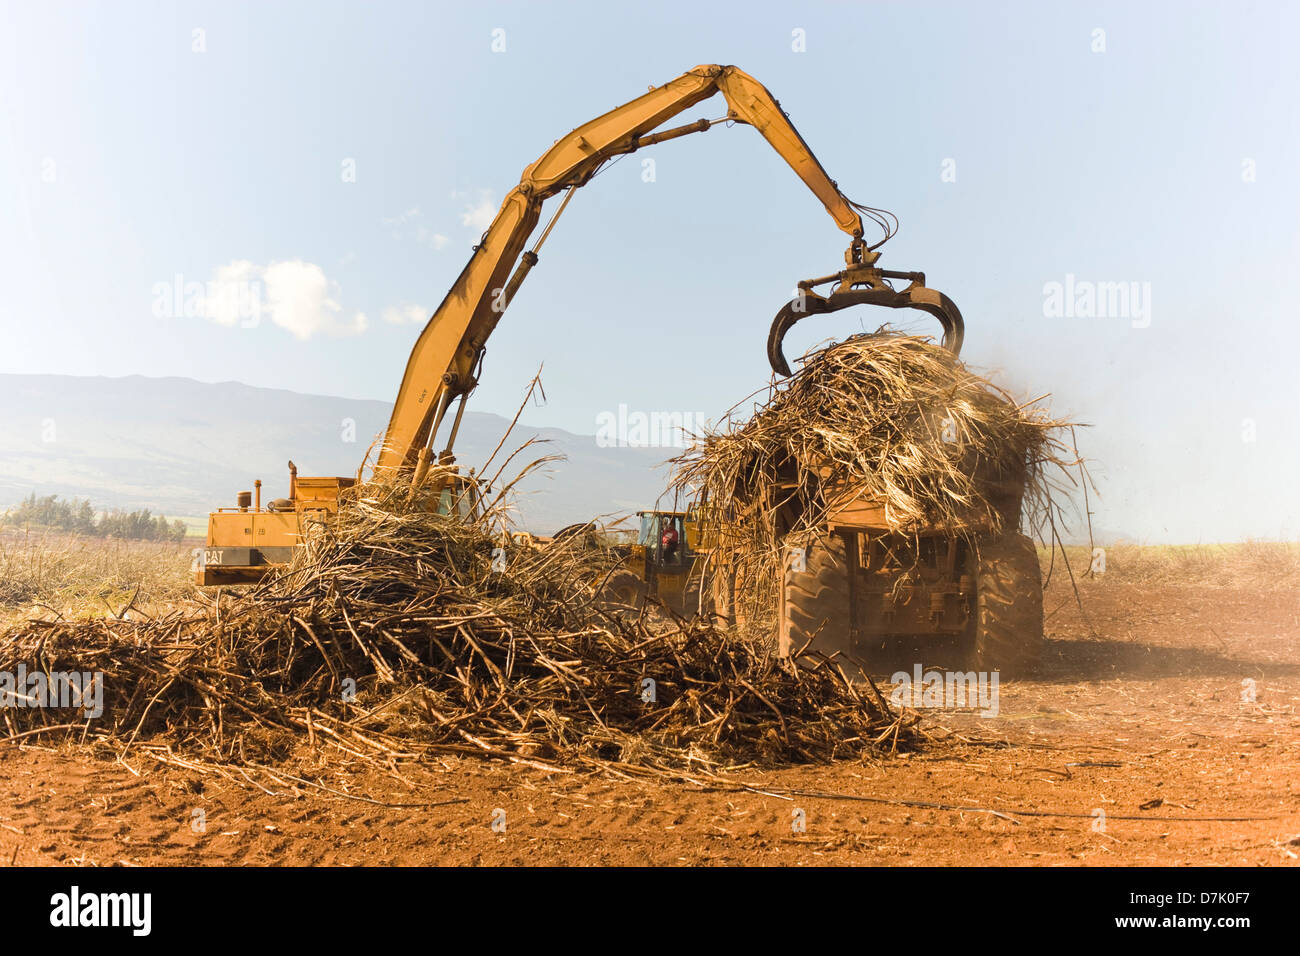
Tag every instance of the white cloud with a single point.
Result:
(303, 300)
(435, 239)
(406, 314)
(402, 219)
(293, 294)
(234, 294)
(423, 234)
(479, 212)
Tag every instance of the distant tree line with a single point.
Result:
(78, 517)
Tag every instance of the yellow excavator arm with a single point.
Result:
(244, 541)
(445, 358)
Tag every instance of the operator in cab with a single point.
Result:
(668, 540)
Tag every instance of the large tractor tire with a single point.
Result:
(623, 593)
(1008, 621)
(585, 534)
(814, 602)
(734, 600)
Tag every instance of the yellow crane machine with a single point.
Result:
(245, 541)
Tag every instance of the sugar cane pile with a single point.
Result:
(885, 416)
(398, 633)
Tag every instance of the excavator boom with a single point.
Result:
(444, 359)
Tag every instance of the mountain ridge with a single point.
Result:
(184, 447)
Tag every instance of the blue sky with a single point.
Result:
(1169, 159)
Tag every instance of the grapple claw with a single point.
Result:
(865, 285)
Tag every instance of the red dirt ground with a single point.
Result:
(1152, 688)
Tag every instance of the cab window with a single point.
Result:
(463, 502)
(649, 533)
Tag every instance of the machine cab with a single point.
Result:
(663, 534)
(460, 498)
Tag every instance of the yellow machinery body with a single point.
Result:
(243, 542)
(651, 571)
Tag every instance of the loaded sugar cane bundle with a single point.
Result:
(885, 430)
